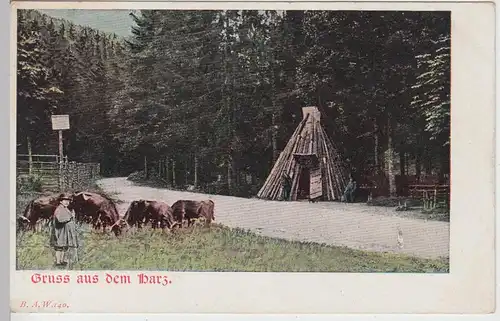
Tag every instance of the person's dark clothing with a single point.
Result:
(287, 187)
(349, 191)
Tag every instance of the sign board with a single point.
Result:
(307, 160)
(316, 186)
(60, 122)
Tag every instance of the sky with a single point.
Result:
(114, 21)
(117, 21)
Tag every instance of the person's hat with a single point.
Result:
(65, 196)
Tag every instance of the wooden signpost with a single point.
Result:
(60, 123)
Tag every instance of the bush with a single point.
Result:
(139, 176)
(217, 188)
(30, 183)
(439, 213)
(393, 201)
(136, 176)
(246, 190)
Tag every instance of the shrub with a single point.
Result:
(137, 176)
(30, 183)
(393, 201)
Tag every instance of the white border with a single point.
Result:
(469, 288)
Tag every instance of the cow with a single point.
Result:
(158, 213)
(136, 213)
(97, 210)
(189, 210)
(41, 208)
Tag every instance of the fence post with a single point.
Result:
(77, 176)
(30, 157)
(83, 174)
(74, 166)
(68, 175)
(60, 176)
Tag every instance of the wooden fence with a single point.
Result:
(431, 195)
(55, 176)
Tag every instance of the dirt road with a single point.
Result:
(353, 225)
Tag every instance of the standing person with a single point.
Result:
(352, 196)
(349, 190)
(286, 182)
(63, 233)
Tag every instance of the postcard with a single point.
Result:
(252, 157)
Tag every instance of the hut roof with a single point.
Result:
(308, 147)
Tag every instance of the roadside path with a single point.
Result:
(355, 226)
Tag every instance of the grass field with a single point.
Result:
(216, 249)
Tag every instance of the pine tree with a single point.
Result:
(433, 89)
(37, 93)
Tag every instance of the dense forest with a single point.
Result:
(200, 96)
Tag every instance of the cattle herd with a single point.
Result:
(101, 212)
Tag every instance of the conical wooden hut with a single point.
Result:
(314, 166)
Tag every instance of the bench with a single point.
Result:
(431, 195)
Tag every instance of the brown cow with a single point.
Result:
(97, 210)
(189, 210)
(135, 214)
(41, 208)
(158, 213)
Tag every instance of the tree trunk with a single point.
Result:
(376, 147)
(195, 171)
(145, 166)
(167, 170)
(274, 137)
(402, 164)
(407, 165)
(428, 163)
(236, 176)
(403, 181)
(159, 168)
(390, 161)
(418, 164)
(227, 107)
(30, 157)
(444, 167)
(229, 175)
(173, 173)
(274, 110)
